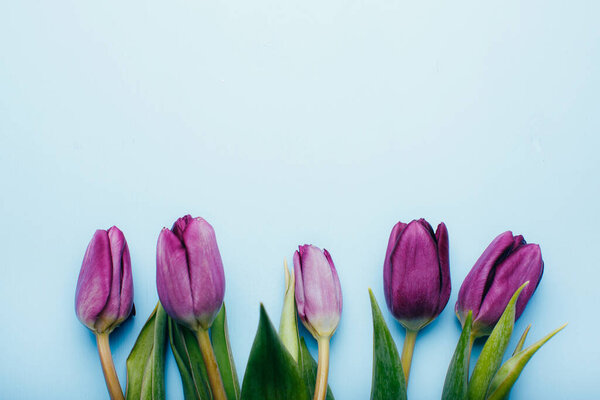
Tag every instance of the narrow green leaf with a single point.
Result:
(220, 340)
(509, 372)
(146, 362)
(457, 377)
(493, 351)
(288, 324)
(186, 351)
(521, 342)
(388, 378)
(309, 366)
(271, 372)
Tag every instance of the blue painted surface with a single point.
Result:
(290, 122)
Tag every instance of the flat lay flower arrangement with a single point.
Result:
(191, 318)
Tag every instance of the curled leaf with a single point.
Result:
(288, 325)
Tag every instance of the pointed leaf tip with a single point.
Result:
(508, 374)
(388, 378)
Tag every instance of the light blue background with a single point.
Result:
(284, 122)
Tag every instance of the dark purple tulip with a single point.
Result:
(189, 272)
(104, 295)
(318, 290)
(504, 266)
(416, 273)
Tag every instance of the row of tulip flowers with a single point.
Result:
(191, 316)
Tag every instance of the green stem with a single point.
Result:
(212, 369)
(407, 352)
(322, 369)
(108, 367)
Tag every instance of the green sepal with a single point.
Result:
(146, 362)
(185, 348)
(388, 378)
(491, 356)
(220, 341)
(309, 366)
(509, 372)
(457, 377)
(271, 372)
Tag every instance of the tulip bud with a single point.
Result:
(504, 266)
(318, 291)
(416, 273)
(104, 294)
(189, 273)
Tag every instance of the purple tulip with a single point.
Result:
(416, 273)
(104, 294)
(504, 266)
(189, 272)
(318, 290)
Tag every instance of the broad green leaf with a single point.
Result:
(309, 366)
(186, 351)
(521, 341)
(509, 372)
(288, 324)
(457, 377)
(146, 362)
(220, 342)
(271, 372)
(388, 378)
(493, 351)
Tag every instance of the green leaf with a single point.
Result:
(220, 341)
(271, 372)
(288, 324)
(388, 378)
(186, 351)
(521, 341)
(457, 377)
(146, 362)
(509, 372)
(493, 351)
(309, 366)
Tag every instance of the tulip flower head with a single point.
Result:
(416, 273)
(104, 294)
(318, 290)
(189, 272)
(504, 266)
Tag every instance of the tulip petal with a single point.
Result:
(300, 302)
(321, 305)
(126, 306)
(472, 290)
(172, 278)
(336, 281)
(525, 264)
(93, 285)
(387, 263)
(415, 266)
(109, 317)
(207, 277)
(441, 235)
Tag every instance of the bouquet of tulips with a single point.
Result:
(190, 316)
